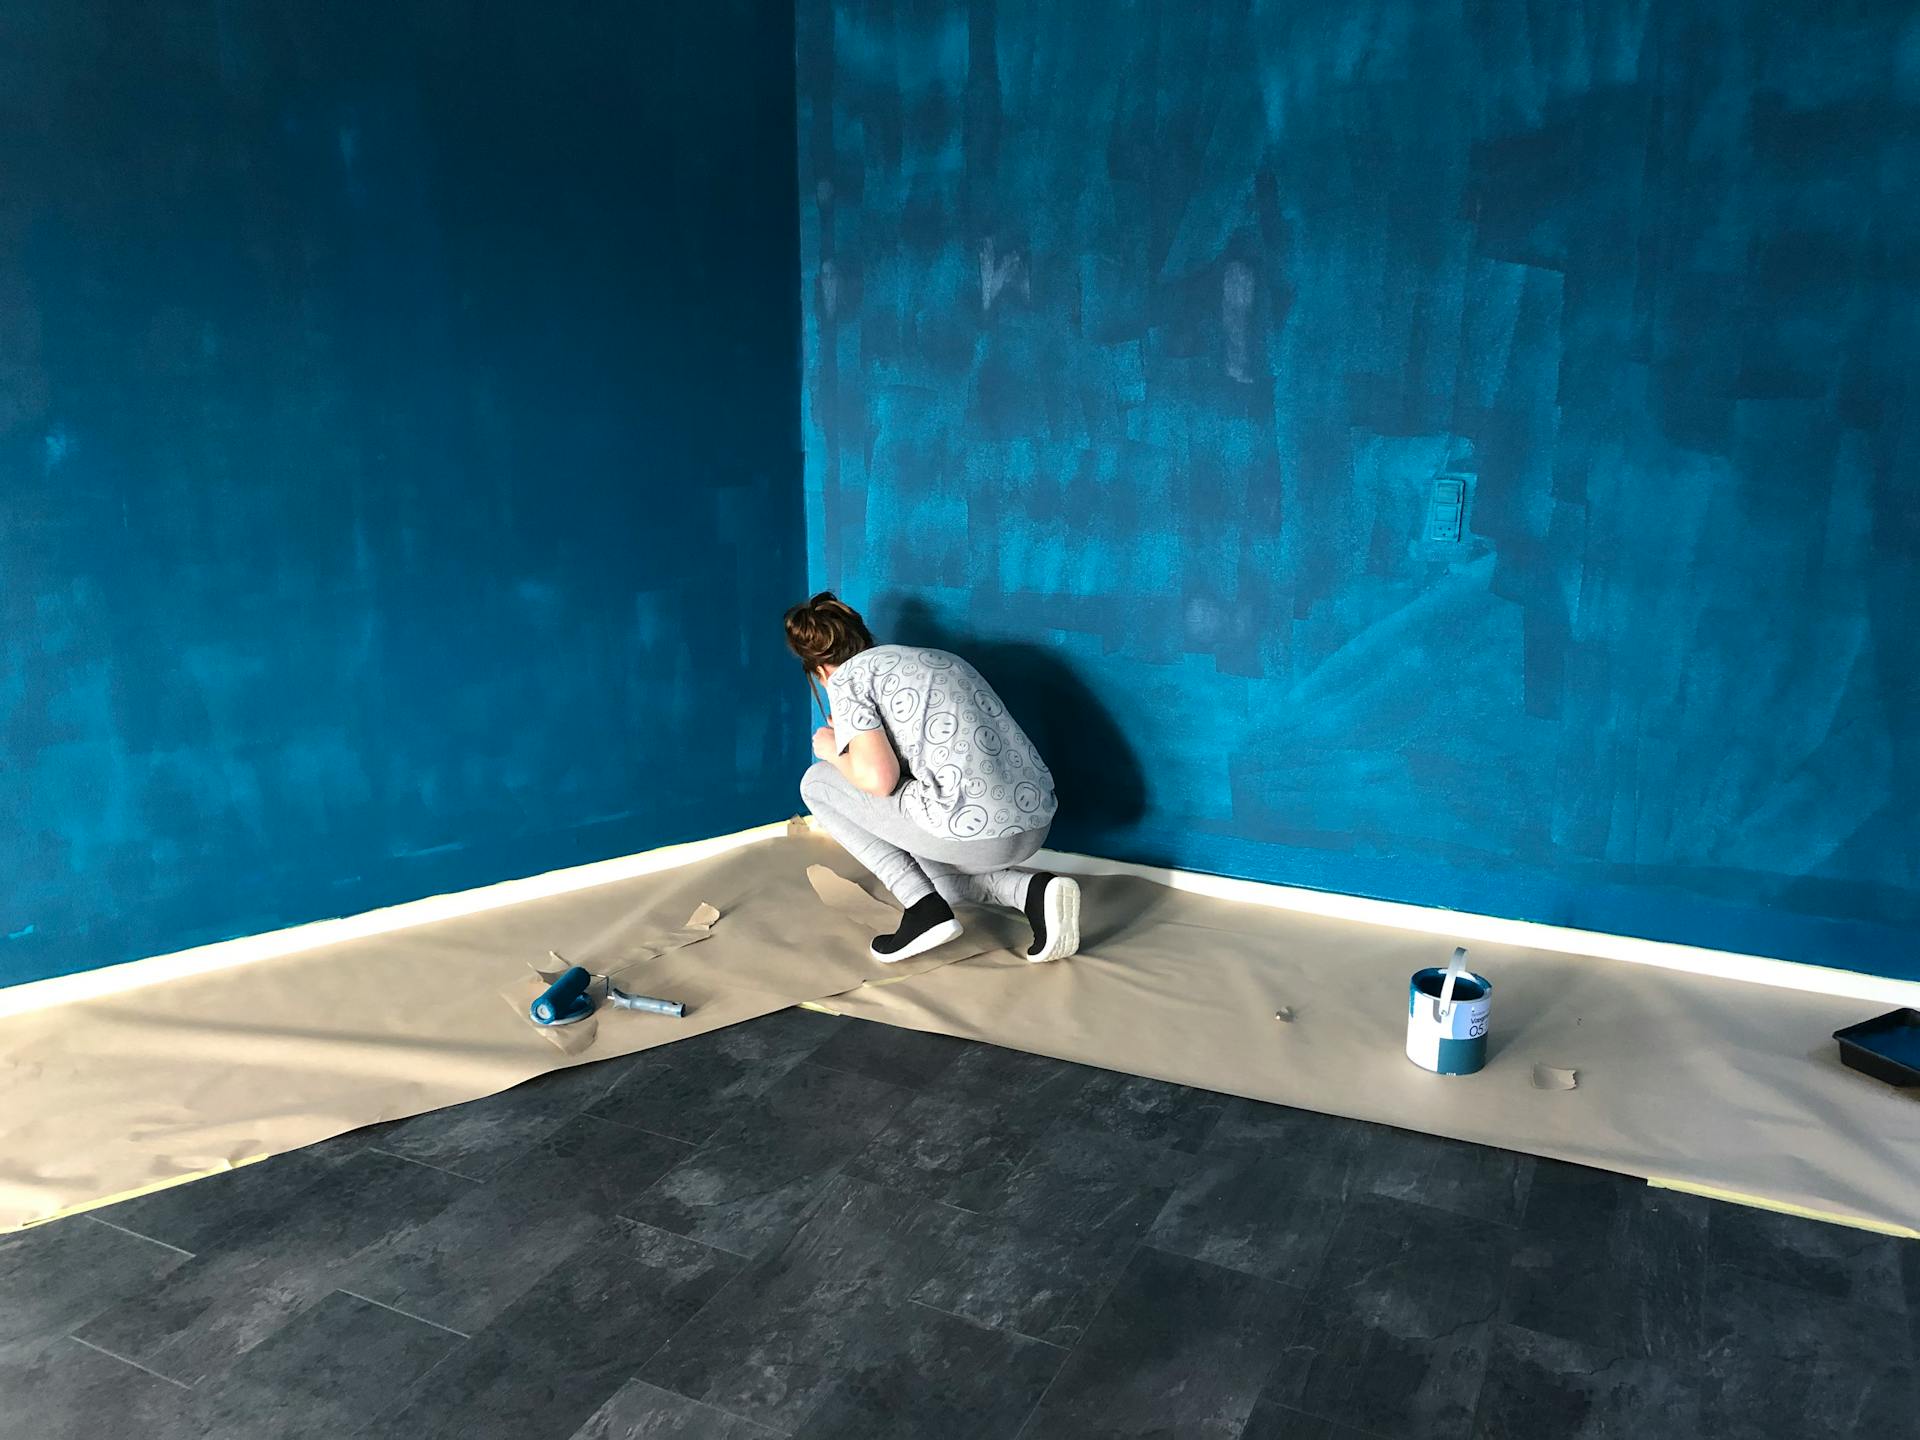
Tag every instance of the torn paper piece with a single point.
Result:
(1552, 1077)
(702, 918)
(835, 890)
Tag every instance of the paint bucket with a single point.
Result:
(1447, 1018)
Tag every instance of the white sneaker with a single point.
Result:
(1055, 917)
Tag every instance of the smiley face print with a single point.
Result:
(969, 821)
(970, 769)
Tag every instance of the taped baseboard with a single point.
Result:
(272, 944)
(1464, 926)
(1454, 925)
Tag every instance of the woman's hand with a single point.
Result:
(824, 747)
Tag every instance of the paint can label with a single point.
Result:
(1451, 1041)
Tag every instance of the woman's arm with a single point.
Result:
(869, 762)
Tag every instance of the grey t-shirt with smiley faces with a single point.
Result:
(970, 770)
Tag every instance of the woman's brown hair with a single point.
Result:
(826, 631)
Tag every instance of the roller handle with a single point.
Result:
(1443, 1007)
(645, 1002)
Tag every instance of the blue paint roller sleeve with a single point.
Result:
(565, 1000)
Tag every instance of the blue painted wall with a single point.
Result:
(399, 478)
(1137, 335)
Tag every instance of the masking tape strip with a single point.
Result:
(1761, 1202)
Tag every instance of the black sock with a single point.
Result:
(1036, 908)
(921, 917)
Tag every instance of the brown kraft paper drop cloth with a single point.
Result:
(1713, 1083)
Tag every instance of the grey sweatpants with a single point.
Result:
(911, 861)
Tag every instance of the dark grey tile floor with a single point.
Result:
(822, 1228)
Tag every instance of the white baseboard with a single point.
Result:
(1460, 926)
(1456, 926)
(225, 954)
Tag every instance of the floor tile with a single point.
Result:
(478, 1138)
(1277, 1422)
(639, 1411)
(1034, 1282)
(1077, 1181)
(910, 1058)
(60, 1389)
(56, 1277)
(1610, 1262)
(202, 1315)
(1143, 1109)
(1254, 1209)
(1474, 1180)
(1055, 1239)
(1540, 1387)
(600, 1166)
(1094, 1195)
(1910, 1269)
(1833, 1260)
(780, 1336)
(1781, 1361)
(689, 1096)
(964, 1138)
(1395, 1335)
(928, 1250)
(866, 1234)
(992, 1072)
(690, 1088)
(936, 1378)
(960, 1151)
(1325, 1145)
(790, 1034)
(195, 1216)
(773, 1344)
(747, 1187)
(1180, 1348)
(558, 1353)
(1428, 1269)
(463, 1266)
(1370, 1372)
(323, 1375)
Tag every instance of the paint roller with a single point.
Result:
(565, 1001)
(618, 998)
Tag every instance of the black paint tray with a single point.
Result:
(1887, 1048)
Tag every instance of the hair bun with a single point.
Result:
(825, 630)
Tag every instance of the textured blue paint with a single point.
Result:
(1136, 335)
(398, 453)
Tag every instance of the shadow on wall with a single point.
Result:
(1095, 772)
